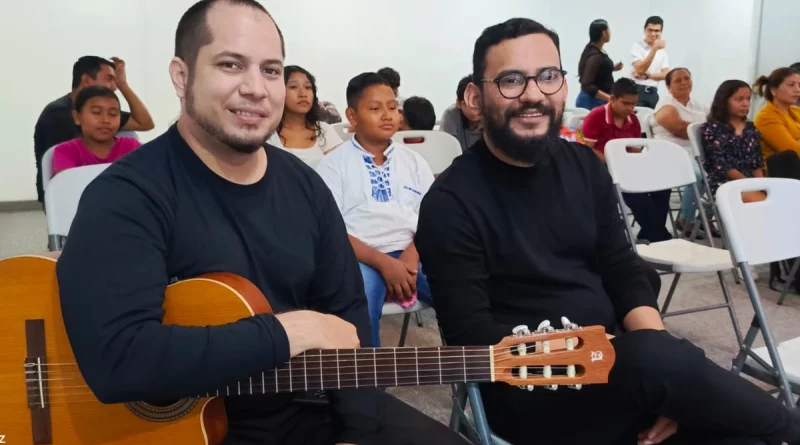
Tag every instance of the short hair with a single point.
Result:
(462, 87)
(668, 77)
(795, 66)
(719, 106)
(497, 34)
(624, 87)
(419, 114)
(357, 85)
(764, 85)
(193, 32)
(90, 66)
(654, 20)
(91, 92)
(391, 76)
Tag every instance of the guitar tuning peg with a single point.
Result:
(521, 330)
(530, 387)
(551, 387)
(575, 387)
(544, 327)
(527, 387)
(568, 325)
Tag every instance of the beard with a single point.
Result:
(241, 144)
(530, 150)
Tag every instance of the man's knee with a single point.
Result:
(374, 286)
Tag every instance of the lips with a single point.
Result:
(387, 127)
(248, 112)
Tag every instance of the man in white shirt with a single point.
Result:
(378, 185)
(650, 62)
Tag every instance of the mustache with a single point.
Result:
(541, 107)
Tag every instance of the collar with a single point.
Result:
(610, 116)
(388, 152)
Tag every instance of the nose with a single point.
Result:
(253, 84)
(532, 92)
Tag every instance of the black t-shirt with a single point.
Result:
(160, 215)
(504, 246)
(56, 125)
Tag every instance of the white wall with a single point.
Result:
(429, 42)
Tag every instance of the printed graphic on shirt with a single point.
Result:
(379, 178)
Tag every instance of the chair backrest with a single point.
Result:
(647, 125)
(47, 167)
(695, 132)
(341, 129)
(575, 122)
(661, 165)
(437, 147)
(63, 195)
(128, 134)
(642, 112)
(761, 232)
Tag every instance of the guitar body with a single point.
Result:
(73, 416)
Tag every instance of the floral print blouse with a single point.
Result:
(725, 150)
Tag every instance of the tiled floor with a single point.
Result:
(26, 232)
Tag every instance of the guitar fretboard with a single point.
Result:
(370, 368)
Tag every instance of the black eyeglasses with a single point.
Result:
(513, 85)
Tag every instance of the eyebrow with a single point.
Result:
(507, 72)
(243, 58)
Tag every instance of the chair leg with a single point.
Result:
(419, 318)
(670, 294)
(744, 347)
(734, 321)
(404, 330)
(459, 405)
(478, 414)
(788, 282)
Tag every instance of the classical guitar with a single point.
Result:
(44, 399)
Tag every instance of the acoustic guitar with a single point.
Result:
(44, 399)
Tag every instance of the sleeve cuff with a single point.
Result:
(280, 341)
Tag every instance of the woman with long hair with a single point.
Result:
(595, 68)
(730, 141)
(301, 130)
(779, 120)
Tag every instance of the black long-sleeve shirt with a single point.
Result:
(504, 246)
(160, 215)
(597, 71)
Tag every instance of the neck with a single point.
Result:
(293, 121)
(501, 155)
(736, 121)
(236, 167)
(99, 147)
(73, 94)
(683, 99)
(375, 147)
(599, 44)
(783, 106)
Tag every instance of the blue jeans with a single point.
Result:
(688, 202)
(584, 100)
(375, 288)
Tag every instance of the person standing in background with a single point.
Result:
(56, 123)
(393, 77)
(461, 121)
(595, 68)
(650, 62)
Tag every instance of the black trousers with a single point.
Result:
(302, 424)
(650, 211)
(785, 164)
(648, 96)
(655, 374)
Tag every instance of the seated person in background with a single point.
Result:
(730, 141)
(461, 121)
(378, 185)
(617, 120)
(525, 228)
(56, 124)
(328, 113)
(418, 114)
(779, 122)
(796, 67)
(301, 131)
(393, 77)
(98, 116)
(595, 68)
(672, 117)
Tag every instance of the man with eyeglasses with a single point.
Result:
(525, 228)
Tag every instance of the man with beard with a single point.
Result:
(210, 196)
(525, 228)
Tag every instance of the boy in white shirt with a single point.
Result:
(650, 62)
(378, 185)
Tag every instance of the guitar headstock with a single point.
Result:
(550, 357)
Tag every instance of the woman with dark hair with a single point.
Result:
(301, 130)
(97, 114)
(730, 141)
(779, 120)
(595, 68)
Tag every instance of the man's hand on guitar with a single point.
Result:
(659, 432)
(313, 330)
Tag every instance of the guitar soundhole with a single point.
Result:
(162, 411)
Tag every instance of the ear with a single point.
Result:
(473, 99)
(76, 117)
(179, 74)
(350, 113)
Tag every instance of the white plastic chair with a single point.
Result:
(647, 125)
(396, 309)
(761, 233)
(61, 200)
(437, 147)
(643, 113)
(342, 130)
(47, 167)
(663, 165)
(128, 134)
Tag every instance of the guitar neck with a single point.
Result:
(370, 368)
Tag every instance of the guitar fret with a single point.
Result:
(375, 365)
(276, 380)
(290, 377)
(355, 366)
(439, 351)
(338, 382)
(395, 366)
(416, 359)
(251, 386)
(228, 390)
(464, 360)
(321, 373)
(263, 384)
(305, 373)
(239, 388)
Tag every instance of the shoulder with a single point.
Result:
(128, 143)
(767, 114)
(596, 114)
(57, 109)
(68, 146)
(337, 158)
